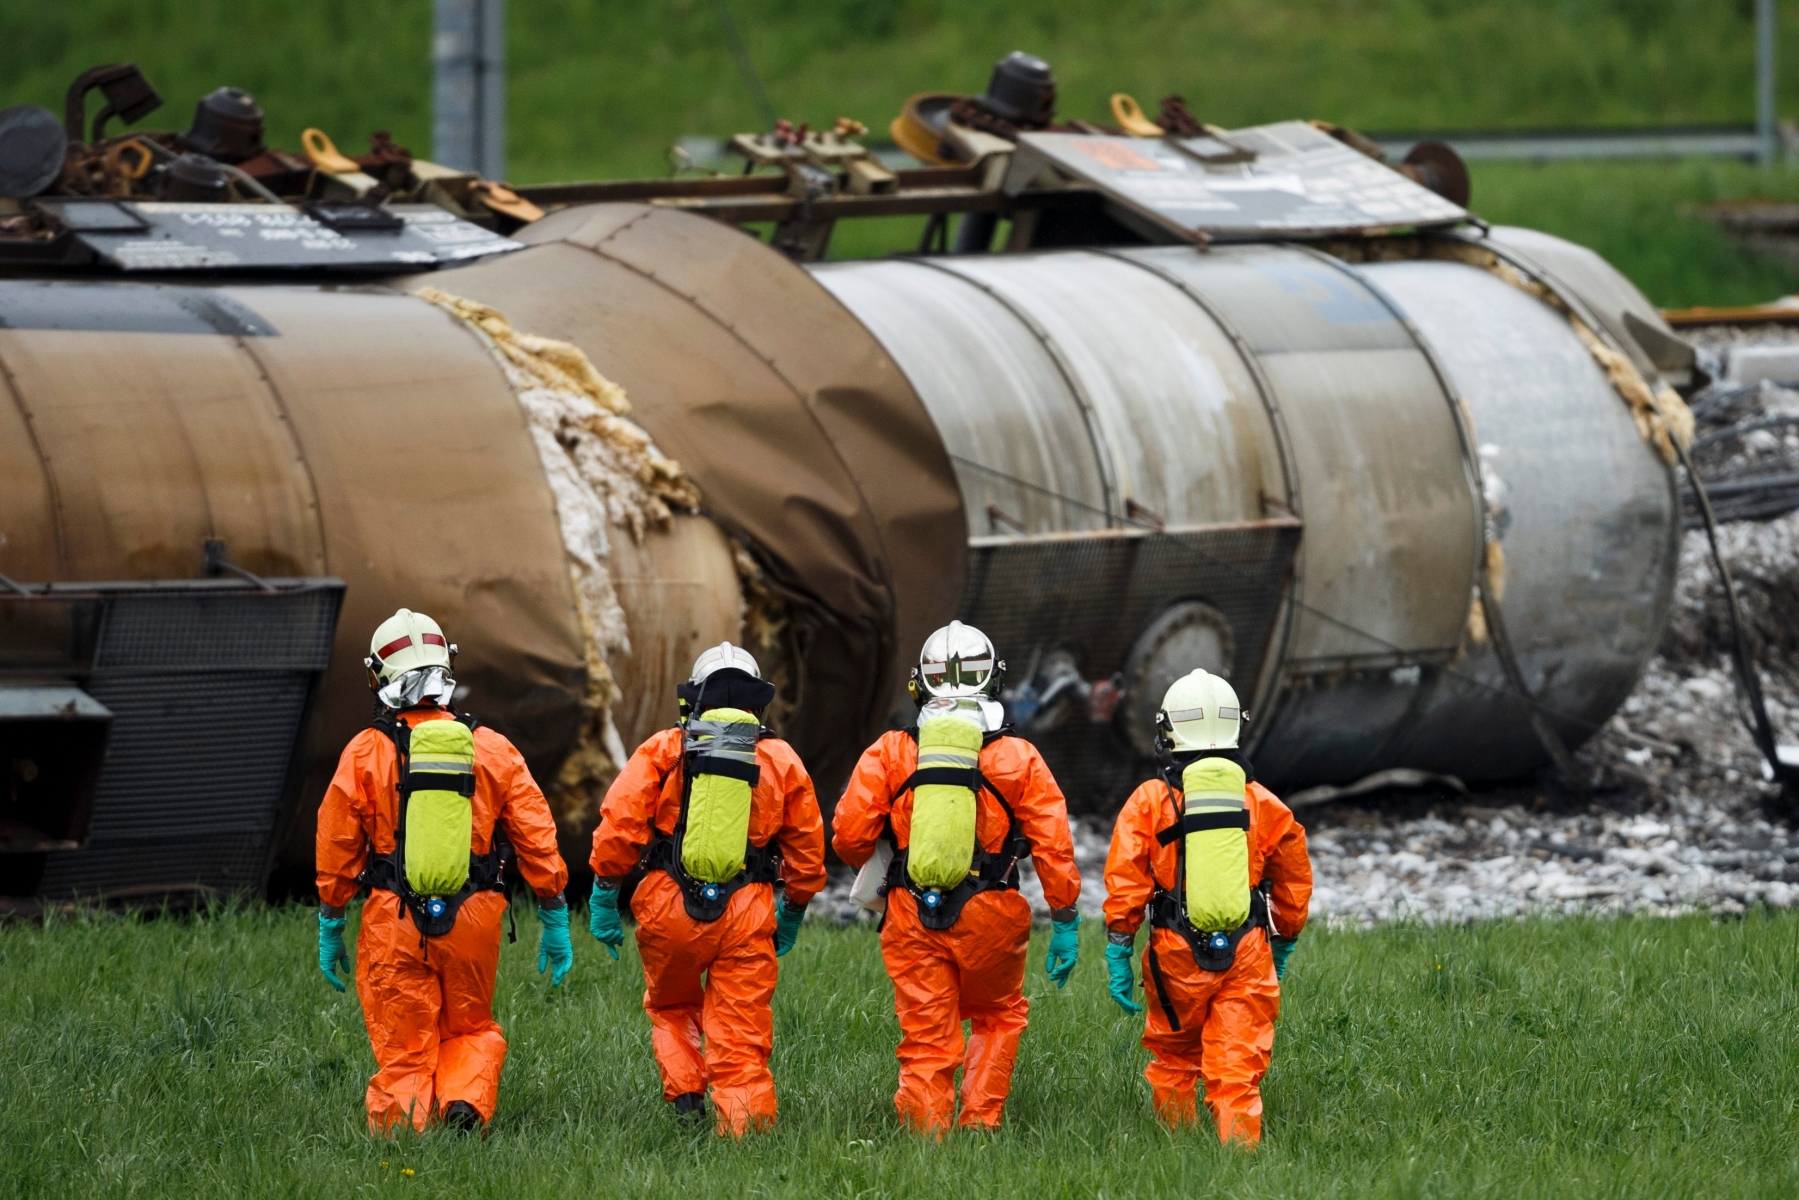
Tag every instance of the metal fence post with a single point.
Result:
(1766, 133)
(468, 59)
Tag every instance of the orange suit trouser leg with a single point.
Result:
(708, 986)
(973, 971)
(1225, 1037)
(429, 1011)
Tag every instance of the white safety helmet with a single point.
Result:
(717, 658)
(958, 660)
(1200, 712)
(406, 641)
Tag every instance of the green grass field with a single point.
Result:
(203, 1056)
(602, 87)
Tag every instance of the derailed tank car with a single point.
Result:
(1404, 479)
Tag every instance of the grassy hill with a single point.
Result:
(602, 86)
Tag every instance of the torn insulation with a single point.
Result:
(603, 471)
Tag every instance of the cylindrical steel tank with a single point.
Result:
(364, 433)
(1135, 459)
(1081, 391)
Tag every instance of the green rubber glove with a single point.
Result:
(1282, 948)
(787, 926)
(1121, 982)
(331, 949)
(1064, 949)
(553, 948)
(602, 918)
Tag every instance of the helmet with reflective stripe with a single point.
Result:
(1200, 712)
(406, 642)
(958, 660)
(723, 655)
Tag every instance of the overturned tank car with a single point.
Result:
(1145, 398)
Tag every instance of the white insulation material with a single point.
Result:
(605, 473)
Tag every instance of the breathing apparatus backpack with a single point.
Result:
(1212, 906)
(433, 867)
(709, 853)
(943, 866)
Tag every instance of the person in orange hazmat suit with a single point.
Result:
(1219, 865)
(413, 812)
(958, 802)
(717, 810)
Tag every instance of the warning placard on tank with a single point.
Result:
(159, 236)
(1271, 179)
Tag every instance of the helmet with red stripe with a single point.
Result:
(406, 642)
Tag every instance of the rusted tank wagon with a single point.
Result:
(1406, 488)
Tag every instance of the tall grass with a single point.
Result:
(203, 1056)
(602, 87)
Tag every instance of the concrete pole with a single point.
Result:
(1766, 134)
(468, 60)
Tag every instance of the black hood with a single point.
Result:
(728, 687)
(1181, 758)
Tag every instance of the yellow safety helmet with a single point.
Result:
(1200, 712)
(406, 642)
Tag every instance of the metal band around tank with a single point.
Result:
(1495, 619)
(1276, 655)
(1102, 451)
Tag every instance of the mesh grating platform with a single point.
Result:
(1093, 595)
(208, 690)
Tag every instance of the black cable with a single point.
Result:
(745, 67)
(1749, 683)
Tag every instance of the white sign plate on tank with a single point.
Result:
(169, 236)
(1292, 180)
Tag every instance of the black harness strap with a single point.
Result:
(968, 777)
(706, 764)
(1155, 971)
(460, 782)
(1201, 822)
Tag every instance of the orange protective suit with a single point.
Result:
(1223, 1027)
(719, 1032)
(974, 970)
(429, 1009)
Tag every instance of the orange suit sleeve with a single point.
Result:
(1042, 812)
(802, 833)
(524, 814)
(1286, 865)
(346, 823)
(628, 813)
(861, 815)
(1130, 862)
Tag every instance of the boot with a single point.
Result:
(462, 1117)
(690, 1109)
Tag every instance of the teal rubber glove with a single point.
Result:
(1064, 949)
(1121, 981)
(602, 919)
(553, 948)
(331, 949)
(1282, 948)
(787, 926)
